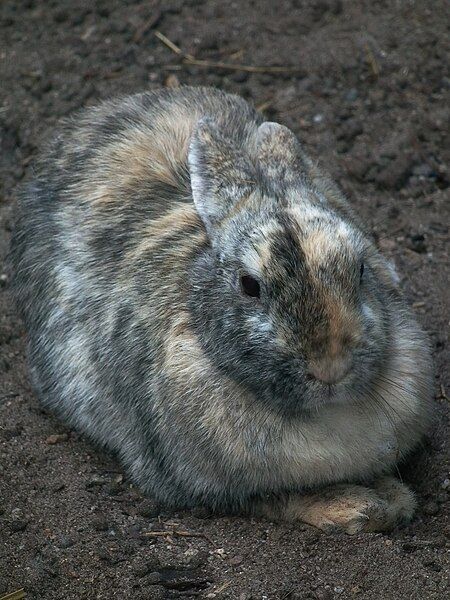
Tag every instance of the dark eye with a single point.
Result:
(361, 271)
(250, 286)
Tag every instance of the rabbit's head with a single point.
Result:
(291, 299)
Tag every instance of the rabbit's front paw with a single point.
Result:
(353, 508)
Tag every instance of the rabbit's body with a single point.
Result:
(135, 333)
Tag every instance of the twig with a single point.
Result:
(151, 22)
(372, 61)
(177, 533)
(165, 40)
(17, 595)
(264, 105)
(222, 587)
(422, 542)
(231, 67)
(443, 393)
(189, 60)
(237, 54)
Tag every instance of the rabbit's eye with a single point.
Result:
(250, 286)
(361, 271)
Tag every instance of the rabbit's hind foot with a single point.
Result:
(348, 508)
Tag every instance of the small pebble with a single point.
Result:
(18, 525)
(239, 76)
(393, 212)
(351, 95)
(109, 556)
(100, 523)
(350, 130)
(141, 569)
(423, 170)
(153, 578)
(56, 438)
(149, 509)
(387, 245)
(64, 541)
(57, 487)
(13, 432)
(135, 530)
(417, 243)
(196, 560)
(5, 364)
(114, 488)
(61, 16)
(103, 11)
(200, 512)
(430, 508)
(95, 481)
(174, 7)
(440, 541)
(432, 565)
(324, 595)
(172, 81)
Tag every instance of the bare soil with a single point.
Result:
(369, 98)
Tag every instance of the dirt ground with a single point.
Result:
(369, 98)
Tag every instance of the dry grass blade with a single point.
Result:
(17, 595)
(151, 22)
(222, 587)
(232, 67)
(264, 105)
(372, 61)
(165, 40)
(188, 60)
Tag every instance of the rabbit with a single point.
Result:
(202, 301)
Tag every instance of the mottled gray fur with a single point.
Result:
(128, 256)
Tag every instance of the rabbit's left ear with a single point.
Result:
(220, 174)
(279, 153)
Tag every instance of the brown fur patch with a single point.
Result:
(179, 336)
(139, 158)
(344, 327)
(315, 247)
(182, 216)
(153, 154)
(235, 209)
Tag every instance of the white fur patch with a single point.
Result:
(368, 313)
(393, 272)
(260, 325)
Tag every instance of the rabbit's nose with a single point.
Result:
(330, 370)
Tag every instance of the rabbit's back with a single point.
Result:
(106, 224)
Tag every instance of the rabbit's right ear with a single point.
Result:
(220, 174)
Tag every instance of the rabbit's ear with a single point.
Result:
(220, 173)
(279, 153)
